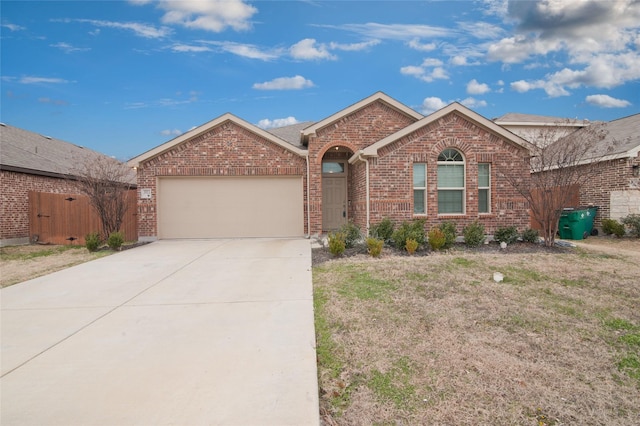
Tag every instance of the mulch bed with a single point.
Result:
(322, 255)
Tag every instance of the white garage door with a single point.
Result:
(221, 207)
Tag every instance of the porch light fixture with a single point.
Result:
(635, 170)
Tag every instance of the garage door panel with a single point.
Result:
(230, 207)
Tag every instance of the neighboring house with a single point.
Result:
(32, 162)
(377, 158)
(616, 188)
(539, 129)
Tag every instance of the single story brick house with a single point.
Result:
(32, 162)
(616, 187)
(374, 159)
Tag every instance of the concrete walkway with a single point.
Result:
(215, 332)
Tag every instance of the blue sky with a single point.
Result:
(121, 77)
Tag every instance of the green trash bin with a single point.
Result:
(576, 224)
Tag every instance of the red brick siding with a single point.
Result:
(226, 150)
(391, 183)
(14, 209)
(614, 175)
(354, 131)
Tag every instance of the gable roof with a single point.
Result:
(378, 96)
(622, 139)
(135, 161)
(372, 150)
(32, 153)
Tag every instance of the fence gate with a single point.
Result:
(67, 218)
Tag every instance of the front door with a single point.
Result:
(334, 202)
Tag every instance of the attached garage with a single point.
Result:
(223, 207)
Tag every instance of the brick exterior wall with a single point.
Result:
(614, 175)
(14, 200)
(391, 181)
(354, 131)
(225, 150)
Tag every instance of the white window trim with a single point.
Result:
(418, 188)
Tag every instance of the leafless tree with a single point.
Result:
(106, 181)
(560, 162)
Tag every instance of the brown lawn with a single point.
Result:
(435, 340)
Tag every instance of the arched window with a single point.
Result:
(451, 182)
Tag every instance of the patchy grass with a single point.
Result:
(22, 263)
(434, 340)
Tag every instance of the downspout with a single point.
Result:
(360, 157)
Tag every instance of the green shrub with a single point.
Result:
(530, 235)
(337, 243)
(633, 223)
(612, 226)
(351, 233)
(375, 246)
(473, 234)
(115, 240)
(383, 230)
(92, 241)
(508, 234)
(411, 245)
(450, 232)
(436, 239)
(409, 230)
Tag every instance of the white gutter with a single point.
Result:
(360, 157)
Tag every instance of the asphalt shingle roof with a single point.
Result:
(291, 133)
(30, 152)
(622, 138)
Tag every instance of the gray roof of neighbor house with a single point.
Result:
(622, 139)
(522, 119)
(291, 133)
(32, 153)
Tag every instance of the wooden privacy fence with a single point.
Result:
(67, 218)
(573, 200)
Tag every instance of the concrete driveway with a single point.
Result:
(216, 332)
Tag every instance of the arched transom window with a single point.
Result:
(451, 188)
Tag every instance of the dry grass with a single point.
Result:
(434, 340)
(21, 263)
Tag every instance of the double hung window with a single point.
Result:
(451, 182)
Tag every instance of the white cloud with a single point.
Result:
(170, 132)
(208, 15)
(245, 50)
(285, 83)
(277, 122)
(600, 39)
(473, 103)
(12, 27)
(424, 47)
(475, 88)
(309, 49)
(67, 48)
(42, 80)
(606, 101)
(353, 47)
(428, 71)
(482, 30)
(432, 104)
(395, 31)
(459, 60)
(189, 48)
(141, 30)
